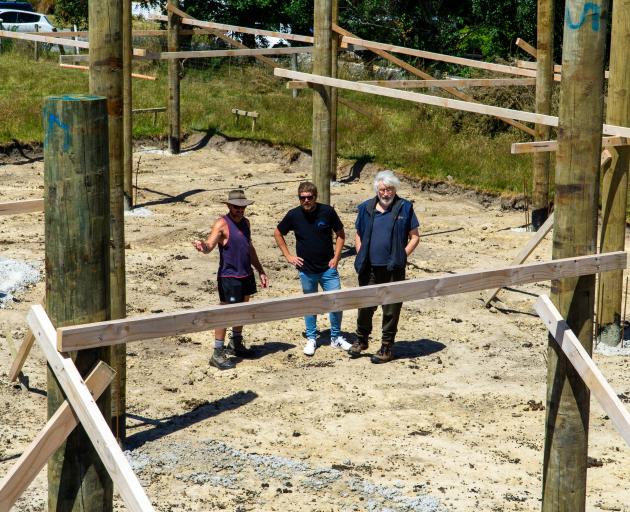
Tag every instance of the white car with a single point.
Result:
(24, 21)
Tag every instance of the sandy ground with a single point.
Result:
(454, 423)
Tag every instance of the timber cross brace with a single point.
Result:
(81, 394)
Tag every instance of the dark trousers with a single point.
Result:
(391, 312)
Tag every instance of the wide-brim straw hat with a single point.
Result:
(237, 198)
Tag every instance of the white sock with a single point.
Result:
(218, 344)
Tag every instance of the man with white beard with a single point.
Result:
(387, 233)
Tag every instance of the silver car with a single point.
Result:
(24, 21)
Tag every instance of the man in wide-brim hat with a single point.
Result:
(235, 278)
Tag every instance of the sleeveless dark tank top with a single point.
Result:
(234, 258)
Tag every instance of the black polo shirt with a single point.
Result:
(313, 235)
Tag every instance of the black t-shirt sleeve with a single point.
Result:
(286, 224)
(335, 221)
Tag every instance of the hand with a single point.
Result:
(333, 263)
(200, 245)
(296, 261)
(264, 280)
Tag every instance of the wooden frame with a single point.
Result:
(58, 41)
(584, 365)
(250, 52)
(500, 68)
(20, 357)
(88, 413)
(525, 46)
(112, 332)
(18, 207)
(49, 439)
(552, 145)
(527, 249)
(422, 84)
(426, 99)
(234, 28)
(557, 68)
(87, 68)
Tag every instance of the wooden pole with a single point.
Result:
(294, 67)
(575, 234)
(544, 90)
(106, 79)
(174, 26)
(77, 268)
(615, 181)
(322, 105)
(127, 103)
(334, 69)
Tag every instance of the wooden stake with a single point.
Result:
(106, 79)
(574, 234)
(174, 26)
(334, 93)
(127, 54)
(615, 179)
(544, 90)
(77, 252)
(322, 106)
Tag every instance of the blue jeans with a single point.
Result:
(329, 280)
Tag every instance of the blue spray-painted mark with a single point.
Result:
(53, 120)
(589, 8)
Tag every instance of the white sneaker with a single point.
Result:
(309, 348)
(340, 342)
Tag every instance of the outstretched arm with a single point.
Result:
(216, 235)
(296, 261)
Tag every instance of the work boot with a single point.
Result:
(384, 354)
(358, 346)
(236, 347)
(220, 361)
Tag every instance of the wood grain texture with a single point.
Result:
(48, 440)
(89, 414)
(426, 99)
(18, 207)
(99, 334)
(584, 365)
(552, 145)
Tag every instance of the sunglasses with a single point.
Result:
(309, 197)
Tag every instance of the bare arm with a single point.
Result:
(264, 280)
(357, 242)
(217, 235)
(282, 244)
(341, 239)
(414, 239)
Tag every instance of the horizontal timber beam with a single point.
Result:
(135, 33)
(250, 52)
(58, 41)
(87, 68)
(525, 64)
(85, 408)
(49, 439)
(584, 365)
(112, 332)
(27, 206)
(426, 99)
(234, 28)
(424, 84)
(500, 68)
(542, 146)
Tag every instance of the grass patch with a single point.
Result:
(423, 141)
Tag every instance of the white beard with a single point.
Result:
(385, 203)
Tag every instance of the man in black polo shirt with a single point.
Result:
(313, 224)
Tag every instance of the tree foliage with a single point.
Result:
(487, 28)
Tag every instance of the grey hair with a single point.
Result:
(387, 178)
